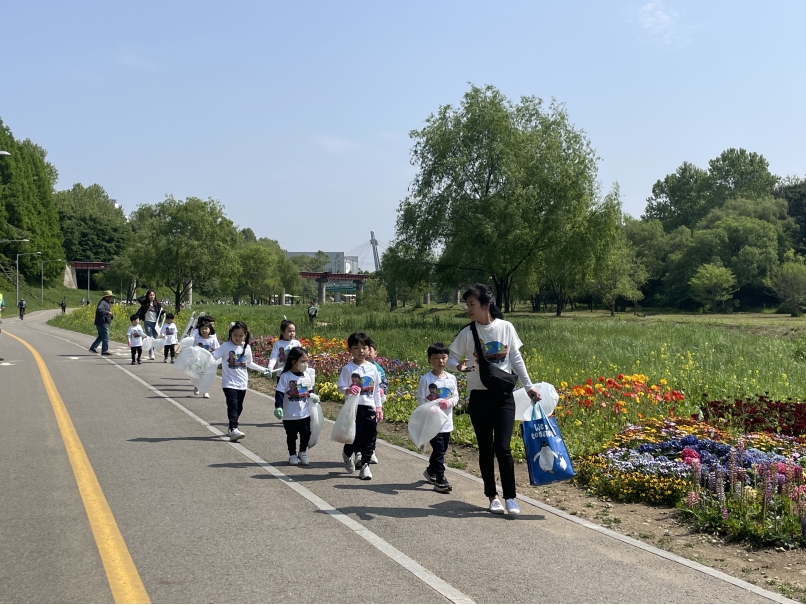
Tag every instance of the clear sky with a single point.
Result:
(296, 115)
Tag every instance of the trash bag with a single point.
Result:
(547, 458)
(206, 380)
(158, 343)
(317, 420)
(199, 365)
(425, 423)
(148, 343)
(523, 403)
(344, 429)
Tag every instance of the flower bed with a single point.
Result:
(759, 413)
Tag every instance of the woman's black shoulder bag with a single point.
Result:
(494, 378)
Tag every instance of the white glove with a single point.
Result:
(314, 398)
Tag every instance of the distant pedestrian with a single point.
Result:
(237, 357)
(103, 319)
(64, 306)
(313, 311)
(287, 341)
(21, 305)
(135, 338)
(150, 311)
(492, 410)
(170, 332)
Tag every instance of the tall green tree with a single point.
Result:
(497, 183)
(618, 274)
(259, 276)
(739, 173)
(184, 242)
(26, 204)
(93, 224)
(713, 285)
(680, 198)
(406, 271)
(788, 281)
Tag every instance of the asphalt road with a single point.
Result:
(202, 520)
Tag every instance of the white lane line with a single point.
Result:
(429, 578)
(715, 573)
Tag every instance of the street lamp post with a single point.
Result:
(42, 276)
(18, 271)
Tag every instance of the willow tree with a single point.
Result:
(496, 184)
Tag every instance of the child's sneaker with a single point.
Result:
(496, 507)
(195, 390)
(429, 477)
(349, 465)
(139, 362)
(134, 362)
(374, 459)
(172, 359)
(357, 460)
(293, 460)
(236, 435)
(365, 473)
(165, 360)
(442, 486)
(303, 459)
(512, 507)
(151, 357)
(207, 395)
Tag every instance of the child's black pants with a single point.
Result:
(366, 428)
(294, 427)
(137, 353)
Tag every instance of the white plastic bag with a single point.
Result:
(158, 343)
(148, 343)
(523, 403)
(199, 365)
(344, 429)
(317, 420)
(425, 423)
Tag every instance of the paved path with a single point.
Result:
(202, 520)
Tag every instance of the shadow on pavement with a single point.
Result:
(454, 509)
(161, 439)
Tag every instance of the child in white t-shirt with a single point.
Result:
(288, 340)
(207, 340)
(171, 334)
(291, 398)
(135, 337)
(237, 357)
(360, 377)
(439, 386)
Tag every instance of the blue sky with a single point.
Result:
(296, 115)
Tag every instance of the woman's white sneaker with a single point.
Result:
(496, 507)
(236, 435)
(293, 460)
(303, 459)
(512, 507)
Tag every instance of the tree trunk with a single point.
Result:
(613, 309)
(560, 301)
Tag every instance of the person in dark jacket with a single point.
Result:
(103, 319)
(149, 313)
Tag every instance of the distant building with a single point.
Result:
(339, 263)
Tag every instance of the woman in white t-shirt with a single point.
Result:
(492, 414)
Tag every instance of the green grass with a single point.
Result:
(723, 356)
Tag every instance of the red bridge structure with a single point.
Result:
(324, 277)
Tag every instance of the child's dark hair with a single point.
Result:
(239, 325)
(433, 385)
(135, 316)
(206, 320)
(437, 348)
(292, 357)
(358, 338)
(169, 316)
(484, 294)
(284, 326)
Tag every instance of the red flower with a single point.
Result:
(589, 382)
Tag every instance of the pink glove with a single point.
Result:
(444, 404)
(354, 390)
(379, 414)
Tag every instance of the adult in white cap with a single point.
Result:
(103, 319)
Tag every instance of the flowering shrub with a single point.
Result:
(759, 413)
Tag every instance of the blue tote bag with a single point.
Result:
(546, 456)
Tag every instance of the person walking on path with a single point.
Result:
(64, 306)
(313, 311)
(103, 319)
(491, 407)
(22, 306)
(150, 310)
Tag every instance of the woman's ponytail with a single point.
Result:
(484, 294)
(495, 312)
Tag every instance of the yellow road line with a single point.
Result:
(124, 580)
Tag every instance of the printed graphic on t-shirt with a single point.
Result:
(205, 346)
(494, 352)
(365, 382)
(170, 329)
(297, 392)
(236, 361)
(281, 356)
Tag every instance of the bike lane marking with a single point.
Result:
(122, 575)
(448, 591)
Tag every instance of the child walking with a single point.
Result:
(169, 331)
(206, 339)
(439, 386)
(135, 338)
(288, 340)
(384, 387)
(237, 356)
(291, 399)
(360, 377)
